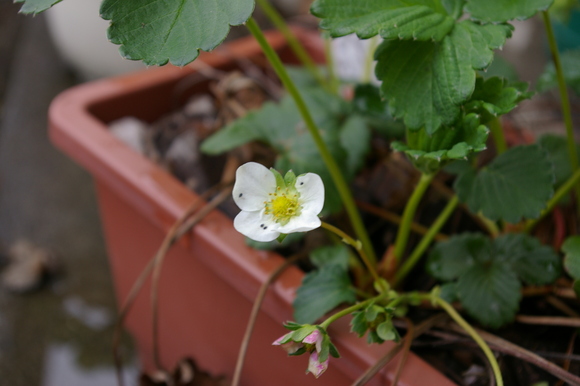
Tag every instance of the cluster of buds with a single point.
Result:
(308, 339)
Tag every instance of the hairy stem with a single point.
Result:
(565, 102)
(294, 43)
(409, 213)
(356, 245)
(498, 135)
(426, 240)
(471, 331)
(560, 193)
(351, 309)
(330, 162)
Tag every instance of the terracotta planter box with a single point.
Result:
(210, 279)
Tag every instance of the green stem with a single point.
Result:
(467, 327)
(567, 114)
(347, 311)
(498, 135)
(369, 60)
(294, 43)
(409, 213)
(332, 78)
(556, 198)
(491, 226)
(334, 170)
(426, 240)
(356, 244)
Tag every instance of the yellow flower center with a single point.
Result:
(283, 206)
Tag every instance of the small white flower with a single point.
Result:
(272, 205)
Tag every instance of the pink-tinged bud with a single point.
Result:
(315, 366)
(290, 347)
(314, 338)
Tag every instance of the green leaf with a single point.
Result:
(156, 31)
(36, 6)
(499, 11)
(331, 255)
(426, 82)
(281, 126)
(533, 262)
(571, 69)
(557, 149)
(496, 96)
(515, 185)
(320, 292)
(571, 249)
(452, 258)
(392, 19)
(490, 293)
(429, 153)
(386, 331)
(355, 138)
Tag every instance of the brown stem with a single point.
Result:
(396, 219)
(563, 321)
(254, 315)
(560, 305)
(407, 340)
(418, 330)
(568, 361)
(172, 235)
(160, 257)
(501, 345)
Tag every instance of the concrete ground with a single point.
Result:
(60, 334)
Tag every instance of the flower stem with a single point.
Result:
(467, 327)
(331, 164)
(498, 135)
(560, 193)
(369, 60)
(565, 102)
(356, 244)
(351, 309)
(332, 78)
(426, 240)
(294, 43)
(409, 213)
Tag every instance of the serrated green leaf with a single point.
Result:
(499, 11)
(358, 323)
(158, 32)
(533, 262)
(571, 249)
(515, 185)
(495, 96)
(320, 292)
(36, 6)
(426, 82)
(410, 19)
(451, 258)
(556, 148)
(430, 153)
(331, 255)
(570, 61)
(449, 292)
(490, 293)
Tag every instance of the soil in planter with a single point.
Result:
(384, 185)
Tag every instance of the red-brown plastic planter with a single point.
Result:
(208, 281)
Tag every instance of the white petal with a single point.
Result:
(253, 183)
(311, 189)
(302, 223)
(255, 226)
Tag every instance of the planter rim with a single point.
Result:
(75, 129)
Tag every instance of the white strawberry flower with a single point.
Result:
(273, 205)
